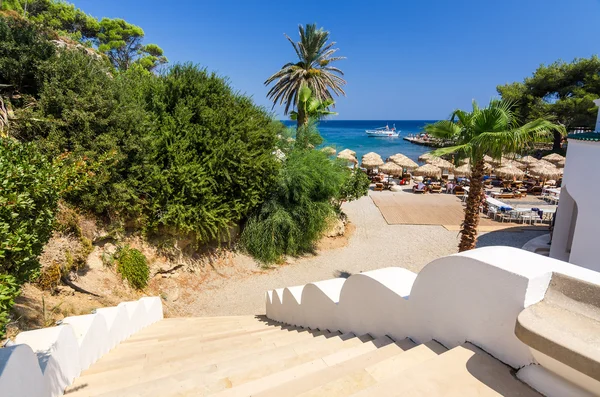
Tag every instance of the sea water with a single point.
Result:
(350, 134)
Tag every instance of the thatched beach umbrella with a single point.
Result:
(441, 163)
(405, 162)
(348, 157)
(328, 150)
(371, 155)
(348, 152)
(544, 163)
(513, 164)
(426, 156)
(371, 162)
(509, 172)
(528, 160)
(561, 163)
(463, 170)
(391, 168)
(553, 157)
(397, 156)
(546, 172)
(428, 170)
(464, 161)
(487, 168)
(491, 160)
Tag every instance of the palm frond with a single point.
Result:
(444, 129)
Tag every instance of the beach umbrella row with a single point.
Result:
(428, 170)
(391, 168)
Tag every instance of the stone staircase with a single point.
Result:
(254, 356)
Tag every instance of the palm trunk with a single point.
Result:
(302, 117)
(468, 239)
(556, 143)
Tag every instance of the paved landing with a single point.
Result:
(446, 210)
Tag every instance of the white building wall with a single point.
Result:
(580, 181)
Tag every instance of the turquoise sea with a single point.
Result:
(350, 134)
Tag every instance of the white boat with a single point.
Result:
(384, 132)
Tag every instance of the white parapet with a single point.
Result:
(45, 361)
(376, 302)
(473, 296)
(319, 302)
(92, 336)
(20, 374)
(57, 353)
(136, 313)
(117, 323)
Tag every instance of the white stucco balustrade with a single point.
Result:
(473, 296)
(44, 362)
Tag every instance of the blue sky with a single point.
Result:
(407, 59)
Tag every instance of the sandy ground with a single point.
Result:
(373, 245)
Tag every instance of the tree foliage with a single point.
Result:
(122, 43)
(561, 91)
(133, 266)
(313, 70)
(493, 130)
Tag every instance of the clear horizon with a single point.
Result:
(416, 61)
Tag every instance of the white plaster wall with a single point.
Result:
(49, 359)
(589, 384)
(91, 333)
(376, 302)
(549, 384)
(117, 321)
(20, 374)
(57, 353)
(322, 296)
(581, 172)
(473, 296)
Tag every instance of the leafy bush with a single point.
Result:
(296, 216)
(28, 203)
(50, 277)
(356, 185)
(133, 267)
(9, 290)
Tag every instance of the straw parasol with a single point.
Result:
(441, 163)
(391, 168)
(347, 156)
(348, 151)
(509, 172)
(487, 167)
(553, 157)
(428, 170)
(371, 162)
(328, 150)
(464, 161)
(491, 160)
(425, 157)
(546, 172)
(514, 164)
(560, 163)
(463, 170)
(405, 162)
(544, 163)
(397, 156)
(528, 160)
(371, 155)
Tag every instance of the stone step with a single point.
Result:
(276, 379)
(198, 371)
(337, 379)
(203, 363)
(462, 372)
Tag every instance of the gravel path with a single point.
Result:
(374, 245)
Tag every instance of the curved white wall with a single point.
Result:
(474, 296)
(45, 361)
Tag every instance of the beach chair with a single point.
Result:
(535, 190)
(378, 187)
(417, 189)
(435, 189)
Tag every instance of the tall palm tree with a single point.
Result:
(313, 69)
(312, 107)
(492, 131)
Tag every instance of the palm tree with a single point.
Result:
(312, 107)
(313, 69)
(492, 131)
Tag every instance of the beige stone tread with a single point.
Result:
(372, 373)
(123, 356)
(464, 371)
(336, 379)
(278, 378)
(199, 366)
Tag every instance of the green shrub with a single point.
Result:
(9, 290)
(133, 267)
(355, 186)
(29, 196)
(295, 217)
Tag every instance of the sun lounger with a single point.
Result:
(378, 187)
(435, 189)
(421, 188)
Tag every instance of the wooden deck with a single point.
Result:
(446, 210)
